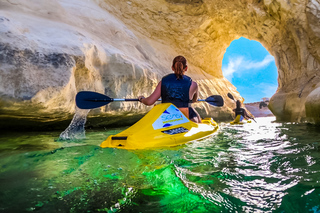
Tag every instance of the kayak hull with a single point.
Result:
(163, 126)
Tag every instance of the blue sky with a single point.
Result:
(251, 69)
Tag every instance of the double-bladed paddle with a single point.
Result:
(91, 100)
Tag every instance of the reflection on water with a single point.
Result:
(256, 167)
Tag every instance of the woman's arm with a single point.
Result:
(153, 97)
(246, 115)
(194, 92)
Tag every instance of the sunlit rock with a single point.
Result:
(313, 106)
(50, 50)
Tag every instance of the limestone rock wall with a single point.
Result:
(51, 50)
(203, 29)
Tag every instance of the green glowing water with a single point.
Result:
(257, 167)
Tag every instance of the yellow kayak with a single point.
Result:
(238, 120)
(164, 126)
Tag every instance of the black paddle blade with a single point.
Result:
(215, 100)
(91, 100)
(230, 96)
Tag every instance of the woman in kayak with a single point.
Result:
(241, 111)
(178, 89)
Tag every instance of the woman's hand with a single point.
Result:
(153, 97)
(140, 98)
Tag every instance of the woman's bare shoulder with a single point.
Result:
(194, 84)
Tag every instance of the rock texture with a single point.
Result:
(313, 106)
(50, 50)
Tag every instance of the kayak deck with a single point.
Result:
(165, 125)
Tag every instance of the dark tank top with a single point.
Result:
(239, 111)
(176, 91)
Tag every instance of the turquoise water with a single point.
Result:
(257, 167)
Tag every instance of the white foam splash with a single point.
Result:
(76, 129)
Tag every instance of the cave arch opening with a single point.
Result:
(251, 69)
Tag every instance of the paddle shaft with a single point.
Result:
(91, 100)
(123, 99)
(109, 99)
(126, 99)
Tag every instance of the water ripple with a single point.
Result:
(258, 164)
(258, 167)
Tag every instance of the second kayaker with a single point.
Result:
(178, 89)
(241, 111)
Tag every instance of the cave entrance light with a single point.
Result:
(251, 69)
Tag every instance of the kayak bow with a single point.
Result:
(163, 126)
(238, 120)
